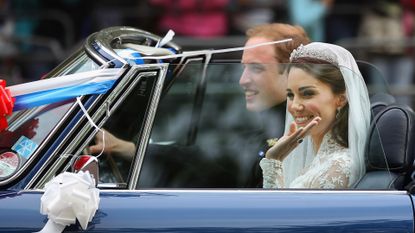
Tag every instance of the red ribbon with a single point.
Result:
(6, 104)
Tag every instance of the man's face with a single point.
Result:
(261, 81)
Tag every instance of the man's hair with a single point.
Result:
(280, 31)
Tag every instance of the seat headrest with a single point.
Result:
(379, 101)
(391, 140)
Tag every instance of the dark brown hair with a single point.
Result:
(332, 76)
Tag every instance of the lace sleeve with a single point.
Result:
(272, 173)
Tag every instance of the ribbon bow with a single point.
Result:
(6, 104)
(69, 197)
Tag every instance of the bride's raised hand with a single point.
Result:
(288, 142)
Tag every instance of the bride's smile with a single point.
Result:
(303, 120)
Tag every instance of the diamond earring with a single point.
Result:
(338, 112)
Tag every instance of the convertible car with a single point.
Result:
(196, 148)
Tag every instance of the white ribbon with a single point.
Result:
(214, 51)
(166, 39)
(69, 197)
(65, 81)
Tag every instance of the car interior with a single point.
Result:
(389, 149)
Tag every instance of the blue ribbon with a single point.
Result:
(60, 94)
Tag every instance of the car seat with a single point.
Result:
(379, 101)
(389, 149)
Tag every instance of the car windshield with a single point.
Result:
(29, 128)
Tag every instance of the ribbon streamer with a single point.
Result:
(166, 39)
(69, 197)
(46, 91)
(215, 51)
(32, 94)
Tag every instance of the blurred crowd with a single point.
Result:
(35, 35)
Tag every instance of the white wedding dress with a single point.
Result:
(331, 168)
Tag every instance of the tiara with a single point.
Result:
(316, 52)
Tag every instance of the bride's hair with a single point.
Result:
(332, 76)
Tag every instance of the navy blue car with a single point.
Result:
(194, 167)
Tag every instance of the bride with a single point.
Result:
(328, 122)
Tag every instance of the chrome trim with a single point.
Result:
(348, 192)
(112, 186)
(186, 62)
(112, 53)
(138, 161)
(392, 192)
(91, 51)
(105, 39)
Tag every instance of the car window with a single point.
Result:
(205, 137)
(125, 124)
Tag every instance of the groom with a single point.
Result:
(264, 81)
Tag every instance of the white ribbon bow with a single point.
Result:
(67, 197)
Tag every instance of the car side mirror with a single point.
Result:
(87, 163)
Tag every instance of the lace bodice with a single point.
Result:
(330, 169)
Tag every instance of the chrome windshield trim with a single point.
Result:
(91, 51)
(107, 39)
(112, 53)
(138, 161)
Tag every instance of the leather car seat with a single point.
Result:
(389, 149)
(379, 101)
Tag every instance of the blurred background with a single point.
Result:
(36, 35)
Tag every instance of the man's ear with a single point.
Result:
(341, 100)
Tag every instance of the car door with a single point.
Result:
(226, 211)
